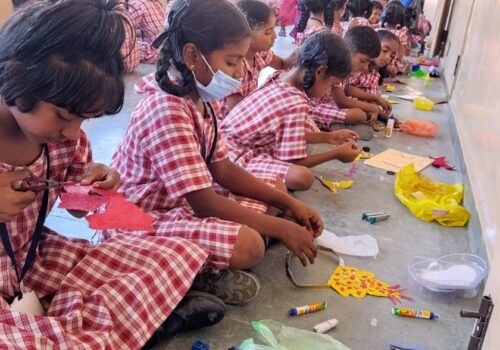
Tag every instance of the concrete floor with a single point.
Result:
(399, 238)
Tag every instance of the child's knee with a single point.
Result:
(299, 178)
(248, 250)
(355, 116)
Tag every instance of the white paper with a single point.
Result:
(454, 276)
(363, 245)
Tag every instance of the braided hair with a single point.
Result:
(323, 49)
(307, 7)
(209, 25)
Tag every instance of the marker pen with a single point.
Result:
(425, 314)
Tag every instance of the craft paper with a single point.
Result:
(362, 245)
(440, 162)
(349, 280)
(394, 160)
(332, 186)
(116, 212)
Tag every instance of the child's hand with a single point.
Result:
(373, 112)
(339, 137)
(386, 105)
(300, 242)
(347, 152)
(103, 177)
(13, 202)
(306, 216)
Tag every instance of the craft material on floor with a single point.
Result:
(362, 245)
(440, 162)
(349, 280)
(394, 160)
(333, 185)
(430, 200)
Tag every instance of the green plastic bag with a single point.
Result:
(276, 336)
(430, 200)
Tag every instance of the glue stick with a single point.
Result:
(324, 327)
(301, 310)
(389, 127)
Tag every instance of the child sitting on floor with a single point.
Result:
(359, 12)
(374, 18)
(58, 292)
(315, 16)
(271, 128)
(262, 21)
(393, 20)
(174, 163)
(339, 8)
(339, 108)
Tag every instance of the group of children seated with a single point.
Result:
(207, 153)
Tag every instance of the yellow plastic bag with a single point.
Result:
(430, 200)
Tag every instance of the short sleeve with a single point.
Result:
(173, 146)
(291, 139)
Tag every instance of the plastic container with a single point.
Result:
(423, 103)
(450, 273)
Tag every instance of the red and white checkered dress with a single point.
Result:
(148, 17)
(299, 39)
(250, 80)
(267, 129)
(160, 162)
(338, 29)
(403, 35)
(361, 21)
(111, 296)
(130, 48)
(368, 82)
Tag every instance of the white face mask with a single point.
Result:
(219, 87)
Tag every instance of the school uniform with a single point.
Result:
(148, 17)
(162, 158)
(301, 36)
(368, 82)
(110, 296)
(267, 130)
(361, 21)
(338, 29)
(250, 79)
(403, 35)
(129, 51)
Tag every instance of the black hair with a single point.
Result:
(377, 5)
(66, 53)
(18, 3)
(359, 8)
(256, 12)
(385, 35)
(337, 4)
(307, 7)
(327, 49)
(394, 15)
(209, 25)
(364, 40)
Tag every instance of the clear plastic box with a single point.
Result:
(449, 273)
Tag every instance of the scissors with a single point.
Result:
(37, 184)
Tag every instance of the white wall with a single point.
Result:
(476, 107)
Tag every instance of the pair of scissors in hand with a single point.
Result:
(37, 184)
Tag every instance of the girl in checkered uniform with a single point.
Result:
(58, 292)
(148, 17)
(173, 161)
(393, 20)
(315, 16)
(262, 21)
(359, 12)
(339, 8)
(271, 128)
